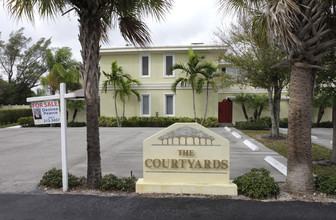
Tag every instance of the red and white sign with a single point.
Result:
(46, 112)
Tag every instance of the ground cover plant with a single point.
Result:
(325, 172)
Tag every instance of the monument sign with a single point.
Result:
(186, 158)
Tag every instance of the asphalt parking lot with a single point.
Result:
(27, 153)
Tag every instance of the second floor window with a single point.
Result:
(168, 63)
(145, 65)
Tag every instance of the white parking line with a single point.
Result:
(236, 134)
(251, 145)
(276, 164)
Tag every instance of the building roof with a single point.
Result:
(132, 49)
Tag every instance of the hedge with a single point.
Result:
(8, 116)
(248, 125)
(153, 121)
(29, 122)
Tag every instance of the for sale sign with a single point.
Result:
(46, 112)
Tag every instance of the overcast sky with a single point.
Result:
(189, 21)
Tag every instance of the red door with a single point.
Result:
(225, 111)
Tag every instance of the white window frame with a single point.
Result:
(149, 65)
(149, 103)
(164, 65)
(165, 101)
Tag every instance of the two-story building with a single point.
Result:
(151, 66)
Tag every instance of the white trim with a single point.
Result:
(246, 90)
(149, 103)
(149, 66)
(164, 65)
(164, 104)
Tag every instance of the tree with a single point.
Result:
(127, 91)
(208, 77)
(75, 106)
(326, 84)
(254, 60)
(321, 100)
(300, 29)
(95, 18)
(62, 69)
(23, 64)
(190, 72)
(258, 103)
(242, 99)
(118, 79)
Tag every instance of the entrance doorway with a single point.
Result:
(225, 111)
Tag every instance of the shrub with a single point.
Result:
(111, 182)
(326, 183)
(247, 125)
(153, 121)
(76, 124)
(325, 124)
(257, 184)
(26, 121)
(268, 121)
(283, 123)
(53, 178)
(12, 115)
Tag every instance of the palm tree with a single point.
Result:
(127, 91)
(208, 77)
(191, 70)
(243, 99)
(118, 79)
(95, 18)
(300, 29)
(258, 103)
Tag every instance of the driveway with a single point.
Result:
(27, 153)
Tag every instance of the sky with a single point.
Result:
(189, 21)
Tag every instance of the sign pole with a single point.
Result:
(64, 137)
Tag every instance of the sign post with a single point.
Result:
(44, 108)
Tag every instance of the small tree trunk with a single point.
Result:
(255, 115)
(319, 116)
(123, 116)
(260, 111)
(244, 111)
(275, 111)
(333, 155)
(115, 105)
(74, 115)
(299, 162)
(193, 92)
(206, 104)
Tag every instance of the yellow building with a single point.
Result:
(150, 65)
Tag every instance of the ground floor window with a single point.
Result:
(169, 104)
(145, 105)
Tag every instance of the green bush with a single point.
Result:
(111, 182)
(268, 120)
(53, 178)
(76, 124)
(26, 121)
(8, 116)
(257, 184)
(153, 121)
(325, 124)
(326, 183)
(247, 125)
(283, 123)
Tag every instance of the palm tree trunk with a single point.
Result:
(206, 104)
(123, 116)
(193, 92)
(319, 116)
(244, 111)
(299, 164)
(89, 37)
(74, 115)
(115, 104)
(275, 111)
(333, 155)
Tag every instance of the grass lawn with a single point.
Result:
(8, 125)
(280, 146)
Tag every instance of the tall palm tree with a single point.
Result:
(117, 78)
(127, 91)
(190, 71)
(95, 19)
(300, 28)
(208, 77)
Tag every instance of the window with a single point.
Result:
(169, 105)
(168, 63)
(145, 65)
(145, 105)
